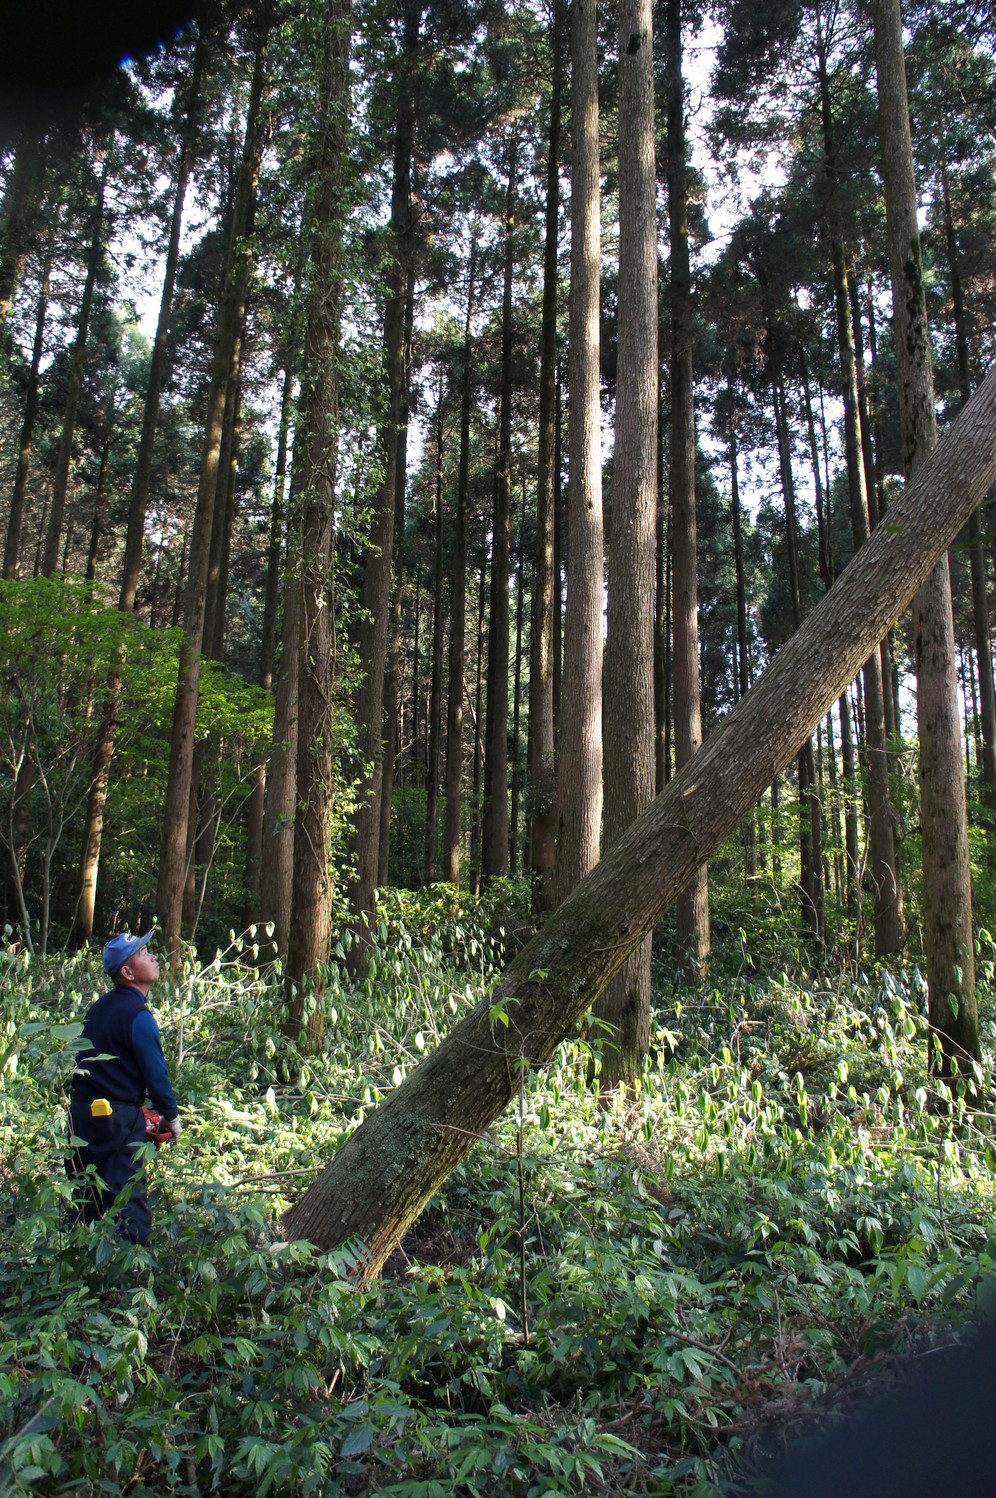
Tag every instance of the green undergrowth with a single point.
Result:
(779, 1205)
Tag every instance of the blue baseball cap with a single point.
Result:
(120, 948)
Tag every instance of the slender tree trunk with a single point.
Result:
(392, 676)
(888, 900)
(276, 873)
(169, 897)
(494, 844)
(743, 686)
(693, 904)
(477, 827)
(15, 520)
(436, 667)
(60, 486)
(950, 949)
(513, 836)
(373, 629)
(579, 770)
(97, 524)
(977, 555)
(541, 778)
(379, 1180)
(19, 208)
(458, 602)
(628, 687)
(311, 899)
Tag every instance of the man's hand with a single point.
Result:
(175, 1127)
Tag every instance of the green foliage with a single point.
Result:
(779, 1199)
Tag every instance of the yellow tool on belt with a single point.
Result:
(100, 1108)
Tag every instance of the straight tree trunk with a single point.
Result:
(15, 520)
(888, 900)
(60, 486)
(276, 873)
(373, 629)
(436, 666)
(312, 888)
(169, 895)
(743, 684)
(399, 1157)
(19, 208)
(458, 602)
(948, 939)
(693, 904)
(628, 688)
(541, 778)
(494, 836)
(513, 836)
(579, 768)
(977, 555)
(477, 826)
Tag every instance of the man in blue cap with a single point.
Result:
(121, 1064)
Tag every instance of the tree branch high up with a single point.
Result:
(385, 1173)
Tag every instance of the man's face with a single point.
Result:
(141, 969)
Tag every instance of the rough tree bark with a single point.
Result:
(628, 687)
(693, 906)
(947, 891)
(579, 771)
(311, 898)
(15, 520)
(388, 1169)
(542, 792)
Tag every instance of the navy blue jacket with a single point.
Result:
(120, 1027)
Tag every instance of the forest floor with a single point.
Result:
(767, 1232)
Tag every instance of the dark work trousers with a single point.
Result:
(111, 1148)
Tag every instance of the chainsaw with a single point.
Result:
(155, 1133)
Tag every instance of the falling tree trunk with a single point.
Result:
(888, 901)
(458, 603)
(494, 835)
(948, 939)
(401, 1154)
(63, 463)
(311, 899)
(15, 520)
(373, 629)
(169, 895)
(977, 555)
(579, 770)
(541, 776)
(693, 904)
(628, 688)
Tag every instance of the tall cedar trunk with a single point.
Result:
(311, 897)
(628, 688)
(373, 629)
(63, 463)
(276, 873)
(579, 769)
(559, 552)
(475, 795)
(889, 703)
(15, 520)
(693, 904)
(494, 834)
(99, 506)
(881, 503)
(541, 777)
(436, 666)
(255, 811)
(169, 894)
(888, 900)
(398, 1158)
(662, 624)
(742, 679)
(19, 208)
(458, 602)
(980, 605)
(393, 736)
(948, 940)
(513, 834)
